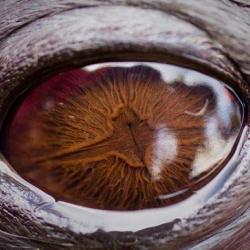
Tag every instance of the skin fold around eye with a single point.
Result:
(38, 40)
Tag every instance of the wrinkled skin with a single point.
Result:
(40, 37)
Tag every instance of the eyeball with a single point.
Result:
(124, 135)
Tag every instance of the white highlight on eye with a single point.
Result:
(169, 73)
(94, 67)
(215, 149)
(165, 151)
(168, 196)
(200, 112)
(223, 102)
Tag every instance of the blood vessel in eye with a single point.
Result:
(124, 136)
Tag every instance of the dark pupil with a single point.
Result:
(120, 137)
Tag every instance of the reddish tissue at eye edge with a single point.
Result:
(122, 136)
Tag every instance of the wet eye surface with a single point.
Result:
(123, 136)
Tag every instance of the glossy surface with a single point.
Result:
(124, 136)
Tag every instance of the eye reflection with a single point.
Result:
(124, 136)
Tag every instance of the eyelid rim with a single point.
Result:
(166, 53)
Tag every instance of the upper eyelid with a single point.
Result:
(15, 16)
(188, 35)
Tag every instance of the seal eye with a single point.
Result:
(124, 136)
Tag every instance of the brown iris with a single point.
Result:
(119, 137)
